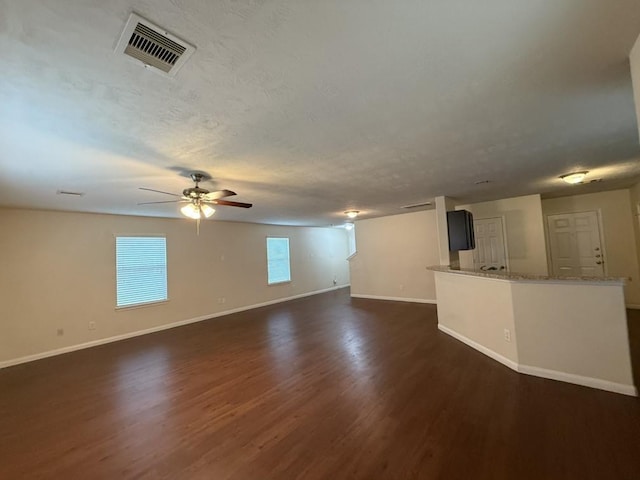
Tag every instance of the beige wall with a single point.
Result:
(525, 232)
(393, 253)
(573, 328)
(635, 213)
(479, 309)
(634, 58)
(621, 258)
(58, 271)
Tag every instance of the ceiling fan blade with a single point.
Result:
(159, 191)
(219, 194)
(231, 204)
(167, 201)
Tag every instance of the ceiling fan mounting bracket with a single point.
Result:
(198, 177)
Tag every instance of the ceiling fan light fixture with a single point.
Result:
(191, 211)
(207, 210)
(195, 211)
(574, 177)
(352, 213)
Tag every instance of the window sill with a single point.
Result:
(278, 283)
(142, 305)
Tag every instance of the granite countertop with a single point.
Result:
(525, 276)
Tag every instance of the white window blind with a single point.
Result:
(278, 263)
(141, 270)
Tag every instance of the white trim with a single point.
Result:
(598, 383)
(142, 305)
(481, 348)
(395, 299)
(166, 326)
(633, 306)
(622, 388)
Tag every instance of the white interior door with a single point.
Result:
(490, 251)
(574, 244)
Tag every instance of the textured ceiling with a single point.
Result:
(311, 108)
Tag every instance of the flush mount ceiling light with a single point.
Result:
(352, 213)
(574, 177)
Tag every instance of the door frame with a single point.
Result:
(504, 237)
(603, 246)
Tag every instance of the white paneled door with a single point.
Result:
(574, 241)
(490, 251)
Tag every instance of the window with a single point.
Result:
(278, 264)
(351, 238)
(141, 270)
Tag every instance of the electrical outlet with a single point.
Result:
(401, 287)
(60, 332)
(507, 335)
(92, 325)
(224, 300)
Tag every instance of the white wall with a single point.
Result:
(393, 253)
(523, 222)
(58, 271)
(621, 259)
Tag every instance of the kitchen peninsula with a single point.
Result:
(572, 329)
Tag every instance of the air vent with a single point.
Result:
(67, 192)
(416, 205)
(153, 46)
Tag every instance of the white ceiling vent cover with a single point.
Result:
(153, 46)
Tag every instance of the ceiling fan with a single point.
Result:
(198, 200)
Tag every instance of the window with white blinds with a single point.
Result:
(278, 263)
(141, 270)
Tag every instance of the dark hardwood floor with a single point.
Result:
(325, 387)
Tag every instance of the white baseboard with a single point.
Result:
(598, 383)
(630, 390)
(633, 306)
(166, 326)
(488, 352)
(395, 299)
